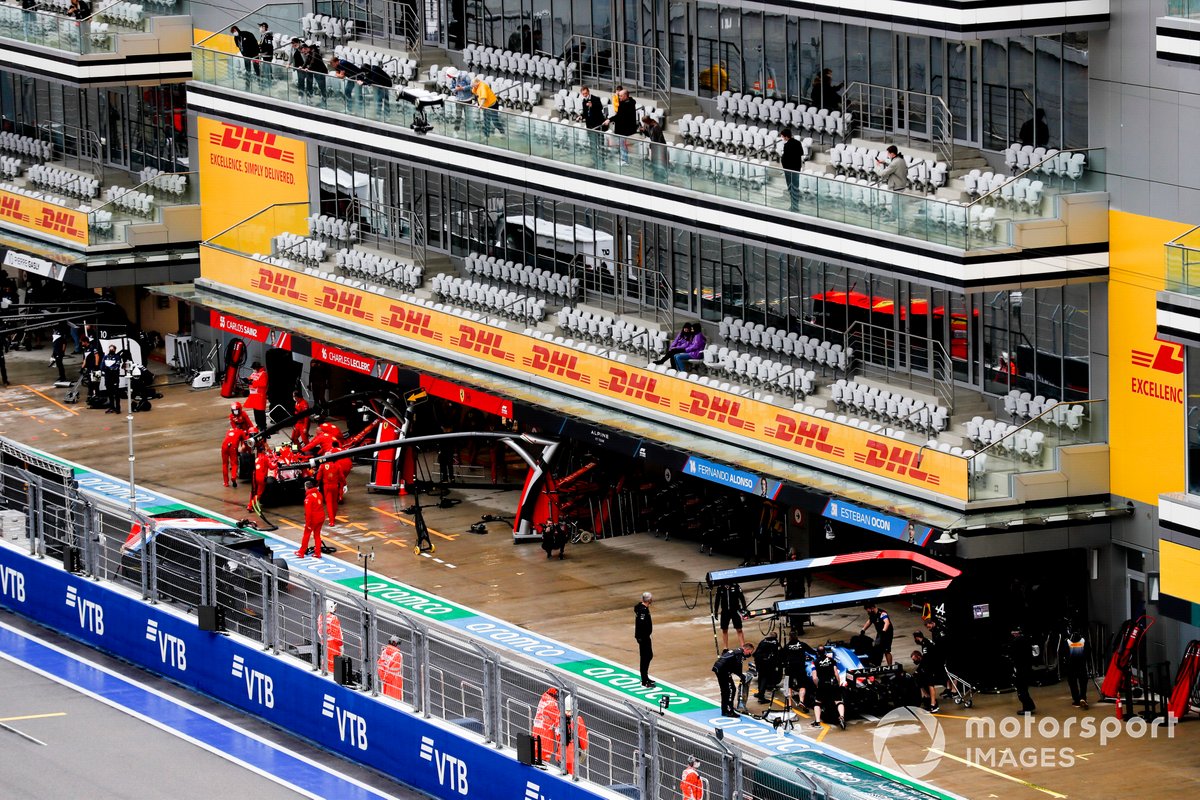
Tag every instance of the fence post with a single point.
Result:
(491, 695)
(646, 776)
(421, 654)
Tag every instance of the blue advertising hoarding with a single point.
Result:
(878, 522)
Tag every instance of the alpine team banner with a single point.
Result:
(775, 429)
(878, 522)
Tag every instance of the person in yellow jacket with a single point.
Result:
(390, 667)
(486, 99)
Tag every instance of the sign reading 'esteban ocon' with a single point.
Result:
(871, 520)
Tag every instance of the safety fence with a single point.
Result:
(445, 674)
(632, 745)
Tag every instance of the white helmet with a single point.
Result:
(330, 606)
(569, 705)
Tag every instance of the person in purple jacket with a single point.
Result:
(689, 344)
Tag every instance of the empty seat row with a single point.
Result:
(790, 344)
(308, 252)
(100, 220)
(891, 406)
(327, 26)
(703, 164)
(1005, 439)
(10, 167)
(130, 15)
(1021, 405)
(379, 269)
(130, 200)
(533, 278)
(519, 65)
(811, 120)
(999, 190)
(399, 68)
(25, 146)
(961, 219)
(485, 297)
(755, 370)
(324, 226)
(170, 182)
(63, 181)
(735, 138)
(612, 332)
(33, 193)
(1047, 161)
(272, 260)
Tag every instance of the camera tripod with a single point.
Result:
(781, 718)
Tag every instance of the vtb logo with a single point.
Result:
(351, 727)
(900, 460)
(556, 362)
(252, 141)
(635, 385)
(809, 435)
(343, 302)
(411, 321)
(451, 771)
(716, 409)
(171, 649)
(91, 613)
(488, 343)
(1167, 358)
(278, 283)
(260, 688)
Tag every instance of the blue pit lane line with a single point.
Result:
(226, 740)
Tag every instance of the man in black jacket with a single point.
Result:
(1020, 654)
(348, 73)
(769, 658)
(247, 45)
(110, 365)
(623, 121)
(643, 627)
(659, 156)
(792, 161)
(729, 606)
(312, 70)
(728, 664)
(593, 119)
(373, 78)
(266, 48)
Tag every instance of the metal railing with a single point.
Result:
(74, 146)
(1183, 262)
(892, 112)
(902, 359)
(111, 220)
(624, 287)
(446, 673)
(390, 23)
(642, 69)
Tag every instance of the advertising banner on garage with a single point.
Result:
(773, 428)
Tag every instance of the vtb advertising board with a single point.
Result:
(244, 170)
(1145, 373)
(604, 380)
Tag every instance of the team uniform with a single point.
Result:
(230, 450)
(314, 519)
(390, 668)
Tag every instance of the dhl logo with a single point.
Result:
(343, 302)
(10, 207)
(556, 362)
(488, 343)
(411, 321)
(252, 141)
(59, 222)
(808, 435)
(900, 460)
(635, 385)
(1168, 358)
(277, 283)
(716, 409)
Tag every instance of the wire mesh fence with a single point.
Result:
(426, 668)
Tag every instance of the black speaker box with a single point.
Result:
(343, 670)
(210, 618)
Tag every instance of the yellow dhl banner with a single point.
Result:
(601, 378)
(46, 218)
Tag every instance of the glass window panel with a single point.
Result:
(1048, 94)
(997, 133)
(711, 69)
(883, 57)
(1020, 84)
(1193, 419)
(775, 31)
(858, 54)
(833, 50)
(1075, 90)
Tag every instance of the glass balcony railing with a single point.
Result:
(1034, 446)
(1183, 8)
(96, 34)
(987, 223)
(1183, 262)
(110, 223)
